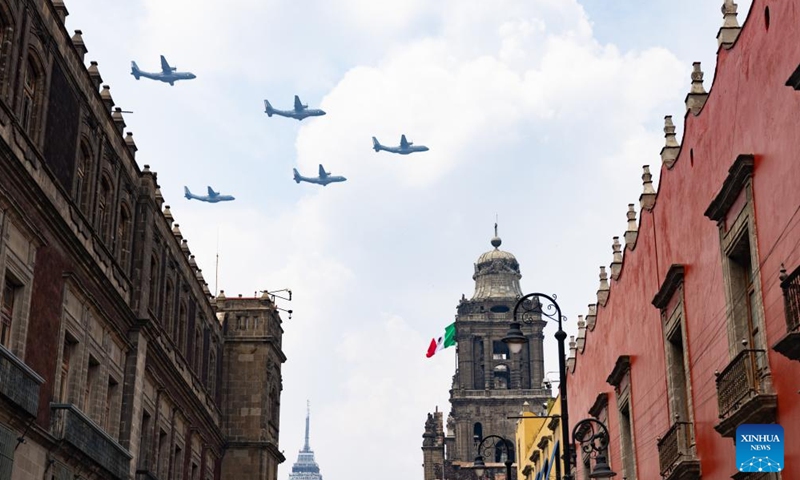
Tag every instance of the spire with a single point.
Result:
(496, 242)
(306, 447)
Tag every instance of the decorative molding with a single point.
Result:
(622, 366)
(672, 280)
(599, 404)
(738, 174)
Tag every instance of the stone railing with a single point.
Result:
(674, 447)
(739, 381)
(19, 384)
(72, 426)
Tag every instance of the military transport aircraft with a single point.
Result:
(212, 197)
(323, 179)
(167, 74)
(300, 111)
(405, 147)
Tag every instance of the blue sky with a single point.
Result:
(540, 112)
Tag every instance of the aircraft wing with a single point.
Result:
(403, 142)
(165, 66)
(298, 105)
(211, 192)
(322, 172)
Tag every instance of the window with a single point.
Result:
(626, 441)
(212, 372)
(499, 350)
(31, 95)
(177, 469)
(10, 293)
(111, 413)
(180, 328)
(477, 432)
(82, 178)
(123, 239)
(198, 349)
(676, 376)
(501, 377)
(92, 374)
(745, 305)
(8, 442)
(67, 357)
(153, 284)
(194, 472)
(169, 306)
(104, 210)
(163, 454)
(144, 441)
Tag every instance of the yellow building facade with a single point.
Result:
(537, 439)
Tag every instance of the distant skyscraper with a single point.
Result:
(305, 468)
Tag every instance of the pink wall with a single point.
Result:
(749, 111)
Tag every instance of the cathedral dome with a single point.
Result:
(497, 274)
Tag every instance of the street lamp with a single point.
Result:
(593, 436)
(528, 309)
(489, 446)
(590, 433)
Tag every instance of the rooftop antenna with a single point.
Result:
(216, 268)
(307, 447)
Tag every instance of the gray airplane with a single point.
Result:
(212, 197)
(405, 147)
(323, 179)
(167, 74)
(300, 111)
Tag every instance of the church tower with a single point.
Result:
(490, 384)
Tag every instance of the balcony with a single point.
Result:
(742, 394)
(80, 432)
(789, 344)
(676, 458)
(18, 383)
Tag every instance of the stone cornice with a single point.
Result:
(672, 280)
(620, 369)
(599, 404)
(738, 174)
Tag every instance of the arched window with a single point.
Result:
(180, 327)
(32, 94)
(83, 178)
(124, 236)
(169, 307)
(198, 349)
(104, 196)
(212, 371)
(501, 378)
(153, 284)
(477, 432)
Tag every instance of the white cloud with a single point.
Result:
(526, 113)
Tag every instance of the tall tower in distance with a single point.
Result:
(306, 468)
(490, 384)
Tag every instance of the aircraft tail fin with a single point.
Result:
(135, 70)
(268, 109)
(376, 145)
(187, 193)
(296, 175)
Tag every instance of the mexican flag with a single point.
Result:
(444, 341)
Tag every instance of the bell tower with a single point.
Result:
(491, 384)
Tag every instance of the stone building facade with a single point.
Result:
(111, 354)
(490, 384)
(697, 330)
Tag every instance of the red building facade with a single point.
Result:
(696, 331)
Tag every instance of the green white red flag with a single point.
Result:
(444, 341)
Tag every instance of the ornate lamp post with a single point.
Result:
(528, 310)
(488, 447)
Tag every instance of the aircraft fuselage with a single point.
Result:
(170, 78)
(298, 115)
(209, 199)
(320, 181)
(403, 151)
